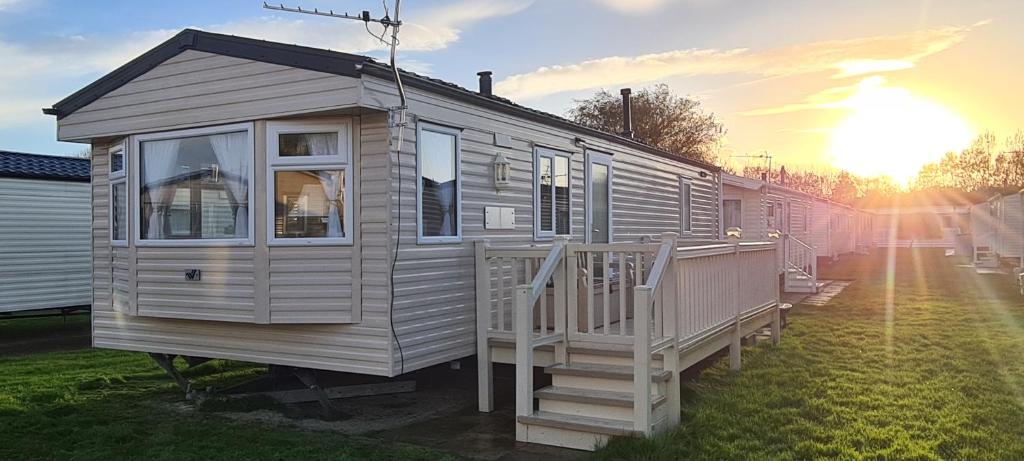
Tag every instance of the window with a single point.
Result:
(552, 199)
(599, 198)
(118, 196)
(732, 213)
(770, 213)
(685, 205)
(309, 183)
(439, 187)
(194, 186)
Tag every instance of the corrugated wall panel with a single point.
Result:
(44, 244)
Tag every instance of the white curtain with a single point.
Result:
(446, 199)
(321, 143)
(231, 150)
(158, 161)
(333, 182)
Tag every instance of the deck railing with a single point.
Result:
(648, 297)
(801, 256)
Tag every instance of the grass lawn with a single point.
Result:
(938, 374)
(104, 405)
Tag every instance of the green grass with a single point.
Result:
(103, 405)
(939, 374)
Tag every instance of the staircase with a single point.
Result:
(984, 256)
(591, 400)
(801, 267)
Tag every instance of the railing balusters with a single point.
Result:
(590, 291)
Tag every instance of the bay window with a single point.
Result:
(194, 186)
(309, 182)
(117, 179)
(552, 200)
(439, 185)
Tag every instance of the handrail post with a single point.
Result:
(524, 359)
(670, 356)
(572, 291)
(735, 352)
(484, 374)
(561, 301)
(642, 359)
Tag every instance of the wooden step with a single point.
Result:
(589, 370)
(586, 424)
(593, 396)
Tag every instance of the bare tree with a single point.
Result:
(673, 123)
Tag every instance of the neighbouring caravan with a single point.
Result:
(744, 207)
(273, 216)
(929, 219)
(45, 260)
(790, 216)
(1006, 214)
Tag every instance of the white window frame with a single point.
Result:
(601, 159)
(543, 152)
(457, 133)
(117, 178)
(686, 214)
(136, 150)
(277, 163)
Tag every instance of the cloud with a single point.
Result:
(8, 4)
(39, 73)
(845, 58)
(637, 7)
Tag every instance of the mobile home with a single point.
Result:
(45, 235)
(927, 219)
(280, 211)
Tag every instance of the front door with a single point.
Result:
(599, 198)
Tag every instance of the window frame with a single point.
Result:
(545, 152)
(116, 178)
(136, 151)
(599, 158)
(686, 214)
(342, 161)
(457, 134)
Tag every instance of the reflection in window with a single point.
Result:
(309, 204)
(438, 184)
(307, 144)
(599, 222)
(685, 205)
(552, 199)
(119, 224)
(195, 187)
(732, 213)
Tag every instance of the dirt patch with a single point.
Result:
(25, 336)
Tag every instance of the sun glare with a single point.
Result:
(890, 131)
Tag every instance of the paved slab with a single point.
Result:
(826, 293)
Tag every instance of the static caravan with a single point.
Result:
(865, 239)
(932, 225)
(45, 232)
(1009, 211)
(744, 207)
(842, 229)
(279, 210)
(789, 214)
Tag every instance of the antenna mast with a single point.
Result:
(764, 155)
(397, 114)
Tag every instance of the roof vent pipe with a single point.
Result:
(485, 82)
(627, 114)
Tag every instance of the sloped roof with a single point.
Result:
(36, 166)
(332, 62)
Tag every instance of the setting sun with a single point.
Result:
(890, 131)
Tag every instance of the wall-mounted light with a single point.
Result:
(502, 171)
(703, 174)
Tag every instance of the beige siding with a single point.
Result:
(44, 244)
(214, 317)
(197, 88)
(434, 289)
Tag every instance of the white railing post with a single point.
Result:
(672, 308)
(642, 359)
(572, 286)
(524, 358)
(561, 301)
(735, 352)
(485, 377)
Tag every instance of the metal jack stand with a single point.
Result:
(166, 362)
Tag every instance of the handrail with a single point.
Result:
(658, 268)
(545, 271)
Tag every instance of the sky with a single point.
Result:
(876, 87)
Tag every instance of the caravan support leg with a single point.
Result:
(166, 362)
